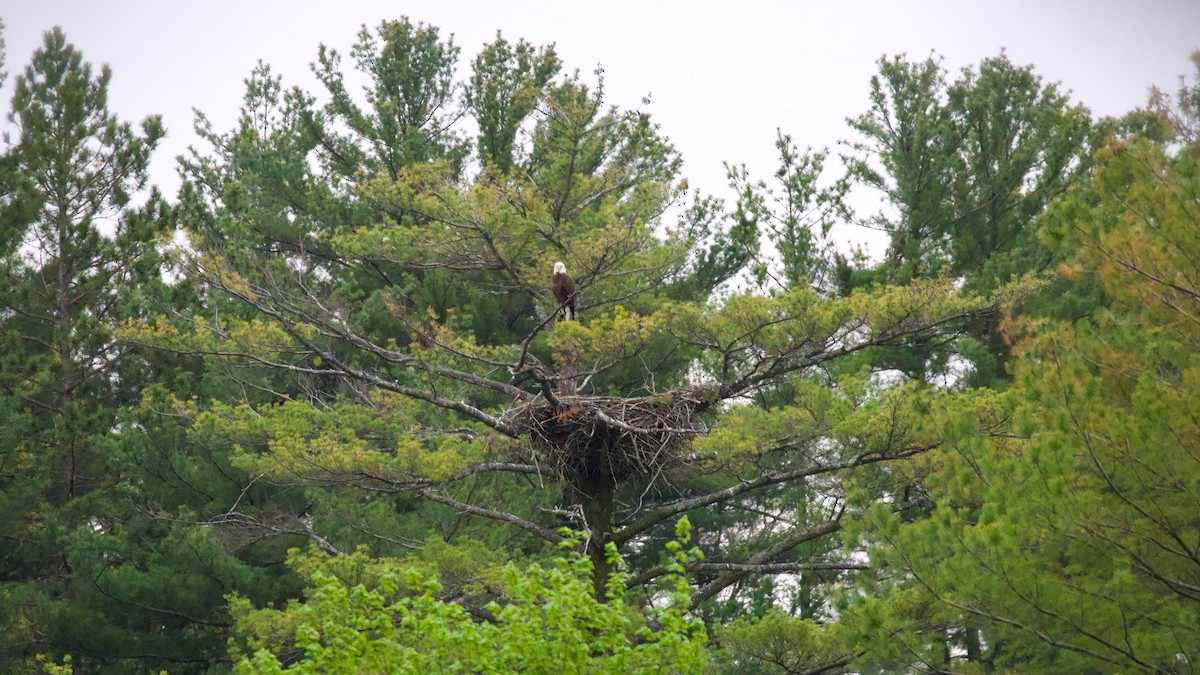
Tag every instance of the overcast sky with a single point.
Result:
(722, 75)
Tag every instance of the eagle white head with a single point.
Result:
(560, 268)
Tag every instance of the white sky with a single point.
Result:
(722, 79)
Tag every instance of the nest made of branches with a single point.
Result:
(605, 438)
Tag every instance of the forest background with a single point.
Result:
(318, 411)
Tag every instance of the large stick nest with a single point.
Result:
(590, 438)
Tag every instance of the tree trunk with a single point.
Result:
(65, 346)
(595, 498)
(974, 645)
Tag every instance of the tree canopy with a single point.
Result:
(320, 411)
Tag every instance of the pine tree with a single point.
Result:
(79, 261)
(1064, 537)
(454, 397)
(966, 169)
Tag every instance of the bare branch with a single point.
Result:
(748, 568)
(766, 555)
(389, 385)
(543, 532)
(779, 548)
(307, 521)
(661, 513)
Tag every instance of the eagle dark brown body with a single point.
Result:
(563, 287)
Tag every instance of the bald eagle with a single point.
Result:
(563, 287)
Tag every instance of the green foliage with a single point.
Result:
(966, 169)
(777, 643)
(545, 619)
(409, 102)
(507, 82)
(1064, 540)
(356, 350)
(967, 165)
(795, 216)
(410, 381)
(78, 258)
(907, 132)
